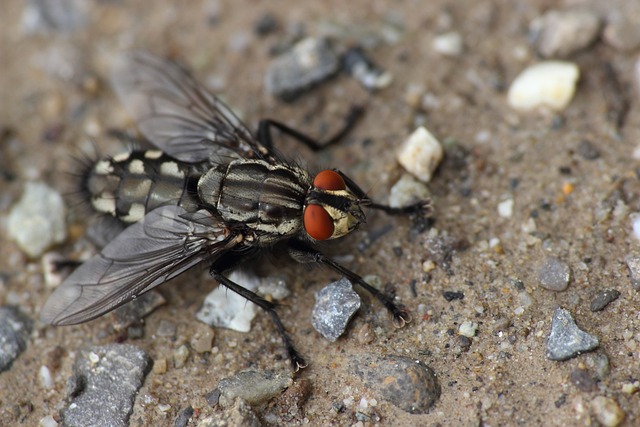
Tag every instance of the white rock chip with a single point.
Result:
(37, 221)
(449, 44)
(549, 83)
(421, 154)
(406, 191)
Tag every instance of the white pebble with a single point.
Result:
(505, 209)
(45, 377)
(407, 191)
(549, 83)
(635, 224)
(227, 309)
(48, 421)
(37, 221)
(449, 44)
(468, 329)
(421, 154)
(607, 411)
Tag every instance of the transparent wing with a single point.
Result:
(177, 114)
(165, 243)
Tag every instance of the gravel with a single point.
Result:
(335, 304)
(15, 328)
(554, 274)
(566, 340)
(252, 386)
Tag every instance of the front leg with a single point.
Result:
(302, 253)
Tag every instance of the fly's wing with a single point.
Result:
(162, 245)
(177, 114)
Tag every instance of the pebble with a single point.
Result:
(180, 356)
(582, 379)
(15, 328)
(603, 298)
(64, 16)
(184, 417)
(274, 287)
(560, 33)
(633, 263)
(406, 383)
(566, 340)
(37, 221)
(421, 154)
(252, 386)
(587, 150)
(166, 329)
(226, 309)
(468, 329)
(132, 313)
(309, 62)
(335, 304)
(406, 191)
(607, 411)
(550, 83)
(449, 44)
(240, 414)
(104, 385)
(622, 31)
(360, 67)
(554, 274)
(202, 340)
(48, 421)
(599, 363)
(44, 375)
(505, 208)
(160, 366)
(635, 224)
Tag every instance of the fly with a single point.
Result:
(213, 192)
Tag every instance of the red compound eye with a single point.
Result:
(317, 222)
(329, 180)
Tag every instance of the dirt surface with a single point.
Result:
(55, 102)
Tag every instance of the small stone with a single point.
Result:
(554, 274)
(468, 329)
(227, 309)
(160, 366)
(505, 208)
(37, 221)
(184, 417)
(311, 61)
(406, 191)
(102, 393)
(133, 312)
(407, 383)
(44, 16)
(449, 44)
(421, 154)
(274, 287)
(566, 340)
(599, 363)
(48, 421)
(202, 340)
(551, 84)
(15, 328)
(44, 375)
(582, 380)
(365, 334)
(240, 414)
(607, 411)
(623, 29)
(335, 304)
(587, 150)
(266, 24)
(560, 33)
(180, 356)
(254, 387)
(360, 67)
(603, 298)
(166, 329)
(633, 263)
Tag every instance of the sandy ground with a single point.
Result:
(492, 154)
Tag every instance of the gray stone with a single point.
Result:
(560, 33)
(407, 383)
(253, 387)
(104, 385)
(240, 414)
(554, 274)
(566, 340)
(335, 304)
(603, 298)
(43, 16)
(623, 29)
(15, 328)
(633, 263)
(310, 62)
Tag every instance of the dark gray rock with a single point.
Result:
(311, 61)
(104, 385)
(603, 298)
(15, 328)
(554, 274)
(407, 383)
(253, 387)
(633, 263)
(566, 340)
(335, 304)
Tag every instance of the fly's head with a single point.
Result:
(333, 207)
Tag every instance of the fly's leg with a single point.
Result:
(265, 126)
(297, 361)
(304, 254)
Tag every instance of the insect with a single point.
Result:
(213, 192)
